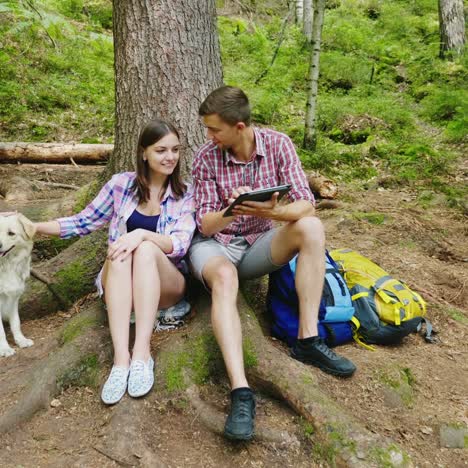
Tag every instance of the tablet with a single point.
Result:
(259, 195)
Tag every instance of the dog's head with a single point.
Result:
(15, 231)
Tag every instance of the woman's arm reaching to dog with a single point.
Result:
(49, 228)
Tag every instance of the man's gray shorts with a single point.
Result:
(251, 261)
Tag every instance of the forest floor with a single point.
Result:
(409, 393)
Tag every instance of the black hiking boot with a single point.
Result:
(240, 422)
(314, 351)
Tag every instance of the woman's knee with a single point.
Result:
(147, 251)
(117, 266)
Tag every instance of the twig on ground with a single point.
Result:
(73, 162)
(55, 184)
(112, 457)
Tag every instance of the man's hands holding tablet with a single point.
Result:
(262, 203)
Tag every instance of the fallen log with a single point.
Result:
(321, 186)
(54, 152)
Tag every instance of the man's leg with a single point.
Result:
(212, 264)
(306, 237)
(221, 277)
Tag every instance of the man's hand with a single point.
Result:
(270, 209)
(239, 191)
(125, 245)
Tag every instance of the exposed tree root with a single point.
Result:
(69, 276)
(122, 441)
(279, 375)
(214, 420)
(275, 373)
(79, 339)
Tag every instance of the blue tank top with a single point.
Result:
(138, 220)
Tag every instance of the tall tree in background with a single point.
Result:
(308, 19)
(310, 132)
(299, 11)
(167, 59)
(451, 27)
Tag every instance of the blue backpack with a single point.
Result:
(335, 310)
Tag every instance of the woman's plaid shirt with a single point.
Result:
(116, 202)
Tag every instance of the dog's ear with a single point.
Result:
(27, 225)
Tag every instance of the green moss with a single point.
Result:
(250, 356)
(373, 218)
(85, 194)
(390, 456)
(174, 376)
(76, 327)
(77, 278)
(52, 246)
(201, 358)
(457, 315)
(325, 452)
(309, 430)
(84, 374)
(71, 282)
(400, 380)
(307, 379)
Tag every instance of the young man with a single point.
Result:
(239, 158)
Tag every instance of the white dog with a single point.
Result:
(16, 233)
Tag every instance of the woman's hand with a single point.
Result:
(125, 245)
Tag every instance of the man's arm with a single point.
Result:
(209, 216)
(278, 212)
(289, 172)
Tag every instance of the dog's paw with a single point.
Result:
(6, 351)
(24, 342)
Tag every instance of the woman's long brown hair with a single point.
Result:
(150, 134)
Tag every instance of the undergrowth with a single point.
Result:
(387, 104)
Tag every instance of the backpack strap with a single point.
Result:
(430, 332)
(357, 336)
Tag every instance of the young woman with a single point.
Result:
(151, 224)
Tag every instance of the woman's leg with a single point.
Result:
(156, 283)
(117, 283)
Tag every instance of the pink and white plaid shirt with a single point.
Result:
(216, 173)
(116, 202)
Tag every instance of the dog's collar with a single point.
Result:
(3, 254)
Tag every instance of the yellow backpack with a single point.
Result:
(393, 301)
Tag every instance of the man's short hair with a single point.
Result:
(230, 103)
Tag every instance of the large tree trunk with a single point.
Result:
(451, 27)
(310, 133)
(308, 19)
(299, 11)
(167, 60)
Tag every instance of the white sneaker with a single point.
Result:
(116, 385)
(141, 377)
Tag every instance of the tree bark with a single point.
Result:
(451, 27)
(54, 152)
(310, 133)
(167, 60)
(308, 19)
(299, 11)
(322, 186)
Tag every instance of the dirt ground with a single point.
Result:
(405, 392)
